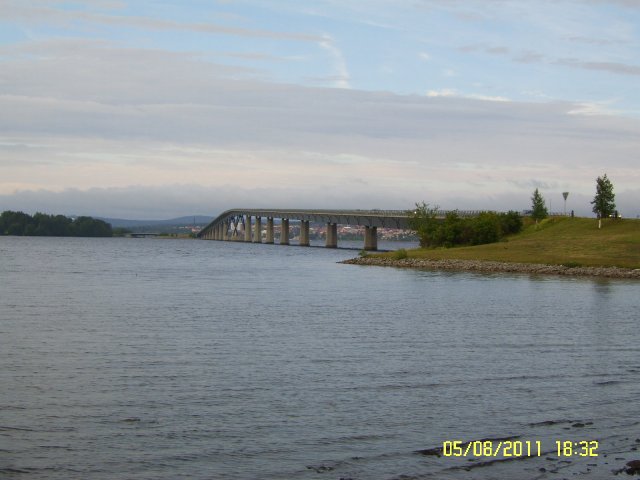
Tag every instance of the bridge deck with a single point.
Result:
(370, 218)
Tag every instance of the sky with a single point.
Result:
(152, 109)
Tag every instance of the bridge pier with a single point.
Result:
(257, 234)
(332, 235)
(284, 231)
(225, 230)
(370, 238)
(235, 233)
(304, 233)
(269, 238)
(247, 228)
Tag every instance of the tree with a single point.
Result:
(511, 222)
(15, 223)
(538, 209)
(90, 227)
(454, 230)
(485, 228)
(603, 203)
(424, 222)
(451, 230)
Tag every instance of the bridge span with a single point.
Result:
(245, 224)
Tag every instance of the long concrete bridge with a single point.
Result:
(237, 224)
(245, 224)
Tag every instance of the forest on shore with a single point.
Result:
(43, 225)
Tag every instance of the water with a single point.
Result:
(165, 359)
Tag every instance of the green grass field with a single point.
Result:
(558, 241)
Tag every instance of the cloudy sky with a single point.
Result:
(160, 108)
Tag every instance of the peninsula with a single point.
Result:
(556, 245)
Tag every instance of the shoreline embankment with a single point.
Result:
(496, 267)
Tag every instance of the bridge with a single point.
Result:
(245, 224)
(237, 224)
(141, 235)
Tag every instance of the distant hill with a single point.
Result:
(192, 220)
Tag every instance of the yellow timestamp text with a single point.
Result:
(517, 448)
(582, 448)
(491, 448)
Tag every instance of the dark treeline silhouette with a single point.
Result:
(40, 224)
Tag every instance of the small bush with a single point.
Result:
(511, 222)
(400, 254)
(363, 253)
(572, 264)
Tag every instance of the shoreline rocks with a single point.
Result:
(496, 267)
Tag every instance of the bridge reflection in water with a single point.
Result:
(246, 224)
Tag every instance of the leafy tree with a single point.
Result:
(61, 226)
(510, 222)
(423, 220)
(15, 223)
(538, 209)
(451, 231)
(603, 203)
(486, 228)
(15, 229)
(90, 227)
(49, 225)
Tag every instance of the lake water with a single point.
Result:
(167, 359)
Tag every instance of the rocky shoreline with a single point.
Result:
(496, 267)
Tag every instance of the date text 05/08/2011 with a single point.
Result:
(518, 448)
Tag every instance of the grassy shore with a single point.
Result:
(573, 242)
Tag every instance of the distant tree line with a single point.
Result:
(40, 224)
(455, 230)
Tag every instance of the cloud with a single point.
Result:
(174, 200)
(531, 57)
(452, 92)
(594, 40)
(611, 67)
(632, 4)
(136, 132)
(44, 14)
(444, 92)
(593, 108)
(341, 77)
